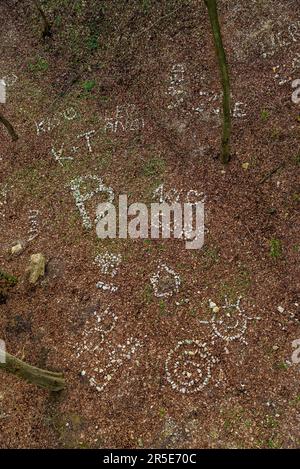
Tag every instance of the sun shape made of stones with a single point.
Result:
(229, 322)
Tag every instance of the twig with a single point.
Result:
(268, 175)
(9, 127)
(159, 20)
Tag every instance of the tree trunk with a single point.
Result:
(223, 66)
(9, 127)
(47, 26)
(42, 378)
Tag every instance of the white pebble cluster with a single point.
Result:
(100, 364)
(125, 118)
(49, 123)
(155, 279)
(177, 89)
(3, 200)
(33, 224)
(231, 324)
(109, 287)
(100, 377)
(108, 263)
(292, 315)
(80, 199)
(188, 366)
(94, 328)
(173, 195)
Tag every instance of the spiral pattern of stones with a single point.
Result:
(189, 365)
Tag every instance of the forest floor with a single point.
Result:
(128, 93)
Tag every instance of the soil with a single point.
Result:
(152, 61)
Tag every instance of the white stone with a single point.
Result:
(17, 248)
(2, 92)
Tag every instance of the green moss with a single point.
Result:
(39, 66)
(154, 167)
(88, 85)
(7, 281)
(271, 421)
(264, 114)
(273, 444)
(148, 294)
(235, 287)
(162, 307)
(210, 256)
(11, 280)
(276, 134)
(145, 6)
(92, 42)
(275, 248)
(297, 158)
(283, 366)
(68, 428)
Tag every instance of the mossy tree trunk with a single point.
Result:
(47, 32)
(45, 379)
(9, 127)
(224, 72)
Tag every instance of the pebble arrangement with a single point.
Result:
(231, 323)
(99, 325)
(49, 123)
(100, 364)
(98, 329)
(176, 88)
(3, 200)
(87, 136)
(188, 366)
(2, 92)
(291, 314)
(284, 73)
(125, 118)
(109, 287)
(210, 100)
(116, 359)
(173, 280)
(108, 263)
(280, 40)
(33, 224)
(210, 105)
(58, 154)
(80, 198)
(174, 195)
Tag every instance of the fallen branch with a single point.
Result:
(224, 72)
(9, 128)
(42, 378)
(47, 32)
